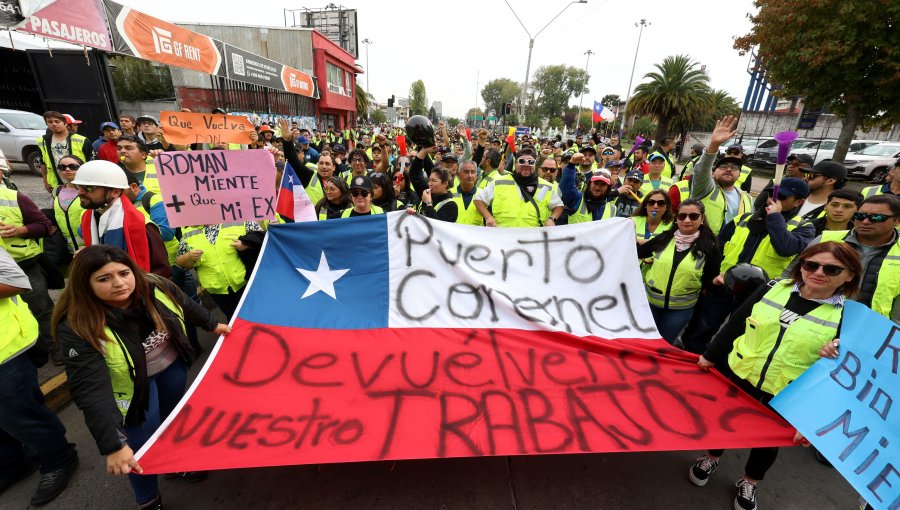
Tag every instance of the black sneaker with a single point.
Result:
(701, 471)
(187, 476)
(8, 481)
(746, 495)
(53, 483)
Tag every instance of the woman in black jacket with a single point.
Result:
(121, 334)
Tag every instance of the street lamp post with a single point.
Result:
(531, 46)
(583, 85)
(643, 23)
(367, 42)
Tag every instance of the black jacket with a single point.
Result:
(88, 374)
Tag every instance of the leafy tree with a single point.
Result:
(418, 100)
(554, 85)
(452, 122)
(362, 102)
(139, 80)
(499, 91)
(556, 123)
(643, 125)
(720, 104)
(675, 96)
(586, 119)
(513, 120)
(379, 117)
(611, 100)
(473, 112)
(839, 53)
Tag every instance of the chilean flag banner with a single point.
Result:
(397, 337)
(293, 203)
(602, 113)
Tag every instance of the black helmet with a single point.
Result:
(744, 278)
(420, 131)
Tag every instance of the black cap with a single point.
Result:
(831, 169)
(588, 148)
(805, 159)
(361, 182)
(730, 159)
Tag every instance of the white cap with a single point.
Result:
(101, 173)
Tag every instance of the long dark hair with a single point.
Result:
(341, 184)
(80, 307)
(707, 244)
(667, 217)
(387, 200)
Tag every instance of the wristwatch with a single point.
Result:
(554, 220)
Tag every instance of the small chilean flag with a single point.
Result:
(293, 202)
(602, 113)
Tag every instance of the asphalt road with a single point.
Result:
(588, 481)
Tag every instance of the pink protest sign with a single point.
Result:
(210, 187)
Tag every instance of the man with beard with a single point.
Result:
(521, 199)
(110, 218)
(490, 168)
(593, 203)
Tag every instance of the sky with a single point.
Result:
(456, 47)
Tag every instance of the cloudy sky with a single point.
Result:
(456, 47)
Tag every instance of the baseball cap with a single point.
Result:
(656, 156)
(265, 128)
(303, 140)
(805, 159)
(831, 169)
(735, 147)
(614, 162)
(147, 118)
(600, 176)
(340, 148)
(636, 175)
(793, 187)
(108, 125)
(729, 159)
(608, 150)
(588, 148)
(361, 182)
(70, 119)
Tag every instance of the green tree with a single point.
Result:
(676, 95)
(362, 102)
(556, 123)
(452, 122)
(418, 100)
(720, 104)
(643, 125)
(553, 86)
(139, 80)
(839, 53)
(499, 91)
(513, 120)
(473, 112)
(379, 117)
(611, 100)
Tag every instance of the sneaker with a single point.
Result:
(746, 495)
(187, 476)
(53, 483)
(8, 481)
(701, 471)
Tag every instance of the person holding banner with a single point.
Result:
(361, 198)
(520, 199)
(654, 216)
(121, 332)
(336, 199)
(773, 337)
(383, 192)
(683, 262)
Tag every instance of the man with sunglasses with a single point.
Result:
(823, 179)
(521, 199)
(549, 170)
(874, 236)
(890, 187)
(743, 181)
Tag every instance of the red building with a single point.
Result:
(336, 72)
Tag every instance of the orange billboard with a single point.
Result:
(298, 82)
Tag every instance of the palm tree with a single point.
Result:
(362, 102)
(676, 95)
(721, 104)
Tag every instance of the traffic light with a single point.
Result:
(507, 108)
(391, 102)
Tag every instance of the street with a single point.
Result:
(595, 481)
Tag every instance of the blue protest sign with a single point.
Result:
(522, 130)
(844, 406)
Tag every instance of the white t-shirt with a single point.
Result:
(808, 206)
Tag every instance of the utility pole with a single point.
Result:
(643, 23)
(583, 85)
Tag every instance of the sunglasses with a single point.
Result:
(359, 193)
(874, 218)
(357, 160)
(86, 189)
(63, 167)
(694, 216)
(732, 153)
(660, 203)
(399, 178)
(549, 169)
(828, 269)
(526, 161)
(607, 153)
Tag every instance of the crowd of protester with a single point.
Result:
(125, 326)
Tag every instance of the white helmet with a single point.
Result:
(101, 173)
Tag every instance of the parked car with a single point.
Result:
(825, 150)
(18, 134)
(767, 151)
(874, 161)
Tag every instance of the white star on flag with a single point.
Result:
(322, 279)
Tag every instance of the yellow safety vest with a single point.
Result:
(466, 215)
(510, 210)
(315, 191)
(19, 248)
(69, 221)
(76, 148)
(684, 190)
(745, 174)
(678, 292)
(770, 356)
(220, 270)
(171, 244)
(20, 328)
(640, 228)
(151, 181)
(715, 205)
(488, 178)
(373, 209)
(119, 363)
(887, 286)
(582, 215)
(664, 184)
(765, 255)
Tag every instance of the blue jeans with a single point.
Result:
(30, 434)
(670, 323)
(165, 390)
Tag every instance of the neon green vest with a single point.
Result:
(220, 270)
(640, 228)
(664, 184)
(315, 191)
(19, 248)
(488, 178)
(69, 221)
(151, 182)
(685, 286)
(871, 191)
(770, 356)
(76, 148)
(745, 174)
(373, 209)
(765, 256)
(119, 362)
(715, 205)
(887, 286)
(20, 328)
(171, 244)
(684, 190)
(582, 215)
(466, 216)
(510, 210)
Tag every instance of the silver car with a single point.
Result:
(874, 161)
(19, 132)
